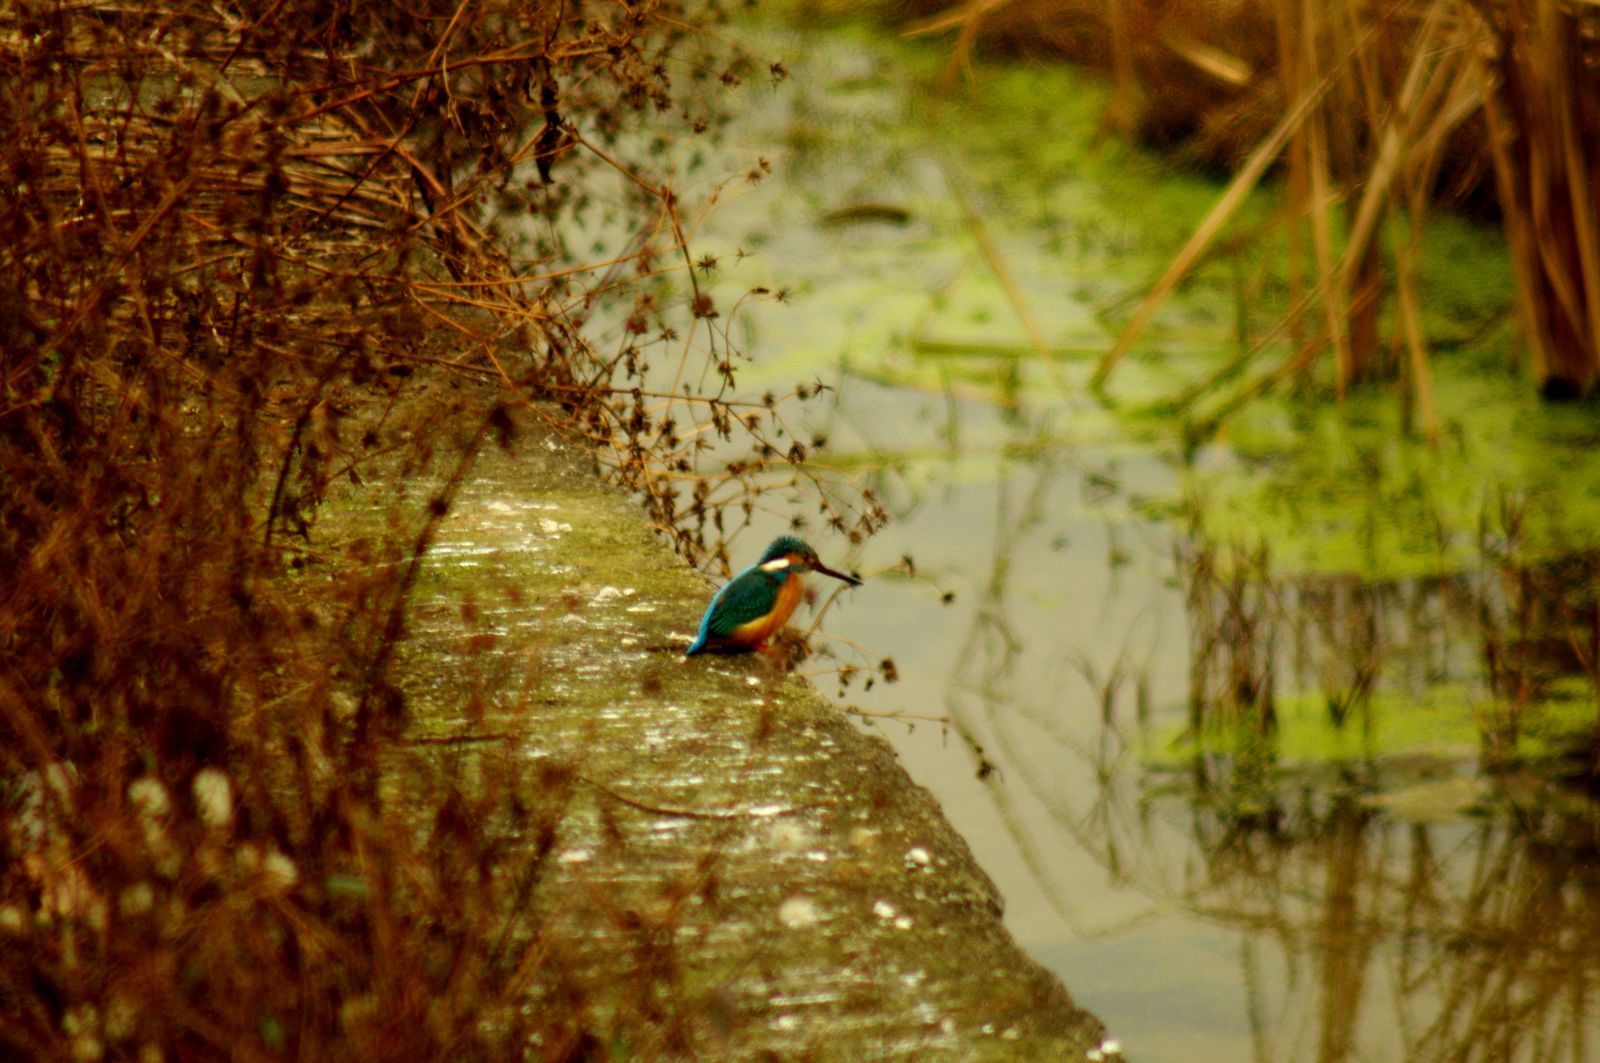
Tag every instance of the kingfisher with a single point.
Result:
(755, 604)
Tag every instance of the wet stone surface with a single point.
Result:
(732, 848)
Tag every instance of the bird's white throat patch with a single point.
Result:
(776, 565)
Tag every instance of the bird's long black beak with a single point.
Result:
(826, 571)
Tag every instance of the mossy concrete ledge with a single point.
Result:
(736, 855)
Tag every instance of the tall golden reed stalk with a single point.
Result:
(1540, 99)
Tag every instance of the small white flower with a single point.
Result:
(42, 798)
(58, 778)
(121, 1018)
(137, 899)
(81, 1018)
(149, 797)
(87, 1048)
(213, 797)
(279, 871)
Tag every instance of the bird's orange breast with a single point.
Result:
(762, 628)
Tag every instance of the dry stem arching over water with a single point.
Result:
(251, 253)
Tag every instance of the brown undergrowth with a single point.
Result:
(245, 250)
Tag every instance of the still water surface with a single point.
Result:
(1373, 894)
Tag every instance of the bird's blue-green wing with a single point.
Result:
(748, 596)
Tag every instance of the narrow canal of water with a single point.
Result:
(1365, 891)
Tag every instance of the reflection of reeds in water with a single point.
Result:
(1364, 933)
(1232, 636)
(1374, 113)
(1483, 973)
(1520, 631)
(1540, 631)
(1463, 943)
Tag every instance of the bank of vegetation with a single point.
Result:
(247, 253)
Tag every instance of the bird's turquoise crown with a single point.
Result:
(784, 545)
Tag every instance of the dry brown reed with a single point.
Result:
(1235, 621)
(247, 252)
(1374, 115)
